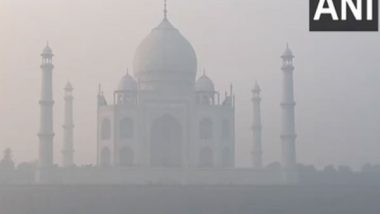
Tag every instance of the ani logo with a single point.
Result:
(344, 15)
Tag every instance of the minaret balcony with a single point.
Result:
(47, 66)
(288, 104)
(287, 67)
(46, 102)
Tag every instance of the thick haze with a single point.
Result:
(336, 78)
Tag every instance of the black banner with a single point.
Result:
(343, 15)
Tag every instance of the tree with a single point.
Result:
(7, 161)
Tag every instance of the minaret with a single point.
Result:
(46, 133)
(68, 129)
(288, 134)
(256, 128)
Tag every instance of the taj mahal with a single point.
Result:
(164, 125)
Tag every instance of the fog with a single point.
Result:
(164, 200)
(238, 41)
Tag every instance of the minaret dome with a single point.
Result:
(288, 54)
(47, 52)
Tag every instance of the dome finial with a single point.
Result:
(165, 9)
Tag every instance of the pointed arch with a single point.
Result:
(227, 158)
(105, 129)
(126, 157)
(126, 128)
(226, 129)
(105, 157)
(206, 158)
(205, 129)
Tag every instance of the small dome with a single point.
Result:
(127, 83)
(205, 84)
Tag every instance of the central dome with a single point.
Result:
(165, 60)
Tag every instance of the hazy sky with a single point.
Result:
(337, 75)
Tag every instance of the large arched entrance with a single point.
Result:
(166, 142)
